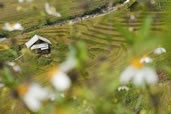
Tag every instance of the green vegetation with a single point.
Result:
(103, 48)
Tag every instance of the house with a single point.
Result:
(39, 45)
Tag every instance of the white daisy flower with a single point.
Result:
(60, 80)
(69, 64)
(21, 1)
(146, 59)
(139, 74)
(122, 88)
(15, 67)
(159, 51)
(12, 27)
(33, 95)
(58, 76)
(51, 10)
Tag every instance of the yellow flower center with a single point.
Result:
(145, 56)
(52, 72)
(136, 63)
(22, 90)
(12, 25)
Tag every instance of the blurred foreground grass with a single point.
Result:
(107, 48)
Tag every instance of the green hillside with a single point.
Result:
(104, 44)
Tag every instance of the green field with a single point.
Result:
(100, 35)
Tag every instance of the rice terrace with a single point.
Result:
(85, 57)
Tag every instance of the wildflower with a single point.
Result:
(33, 95)
(159, 51)
(153, 2)
(15, 67)
(69, 64)
(139, 74)
(12, 27)
(21, 1)
(59, 79)
(146, 59)
(51, 10)
(122, 88)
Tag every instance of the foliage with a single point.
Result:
(96, 77)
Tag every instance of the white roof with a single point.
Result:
(34, 39)
(41, 46)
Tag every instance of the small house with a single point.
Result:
(39, 45)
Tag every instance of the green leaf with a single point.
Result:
(7, 77)
(145, 28)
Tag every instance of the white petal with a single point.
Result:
(127, 74)
(7, 27)
(18, 26)
(20, 1)
(57, 14)
(121, 88)
(34, 96)
(151, 76)
(159, 51)
(47, 7)
(51, 94)
(68, 65)
(11, 64)
(17, 68)
(146, 60)
(38, 92)
(61, 81)
(138, 79)
(51, 10)
(33, 104)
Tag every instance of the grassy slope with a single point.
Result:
(31, 15)
(99, 34)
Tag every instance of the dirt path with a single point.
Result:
(107, 10)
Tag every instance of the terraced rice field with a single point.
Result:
(100, 34)
(32, 15)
